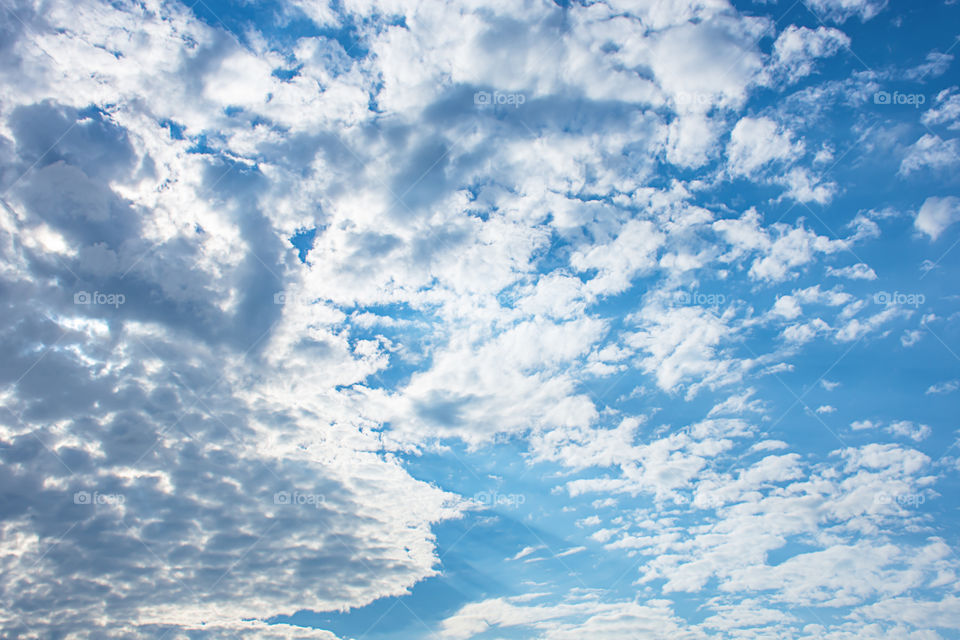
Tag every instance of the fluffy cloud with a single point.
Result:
(566, 621)
(946, 109)
(797, 48)
(632, 251)
(936, 214)
(681, 345)
(756, 143)
(780, 251)
(931, 152)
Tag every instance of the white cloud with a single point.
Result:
(907, 429)
(944, 613)
(681, 346)
(931, 152)
(776, 499)
(748, 614)
(756, 143)
(841, 10)
(804, 186)
(567, 620)
(526, 551)
(807, 579)
(782, 250)
(472, 268)
(946, 110)
(796, 48)
(486, 381)
(804, 332)
(769, 445)
(911, 337)
(633, 251)
(555, 295)
(787, 307)
(936, 65)
(865, 228)
(857, 328)
(859, 271)
(738, 404)
(936, 214)
(792, 249)
(943, 387)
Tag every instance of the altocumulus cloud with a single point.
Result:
(292, 291)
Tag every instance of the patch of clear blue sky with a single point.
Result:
(302, 241)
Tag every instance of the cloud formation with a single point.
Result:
(278, 279)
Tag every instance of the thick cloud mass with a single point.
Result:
(260, 260)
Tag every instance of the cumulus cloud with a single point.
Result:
(681, 345)
(931, 152)
(632, 251)
(756, 143)
(797, 48)
(936, 214)
(781, 247)
(907, 429)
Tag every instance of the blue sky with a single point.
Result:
(450, 320)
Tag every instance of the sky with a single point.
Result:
(479, 319)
